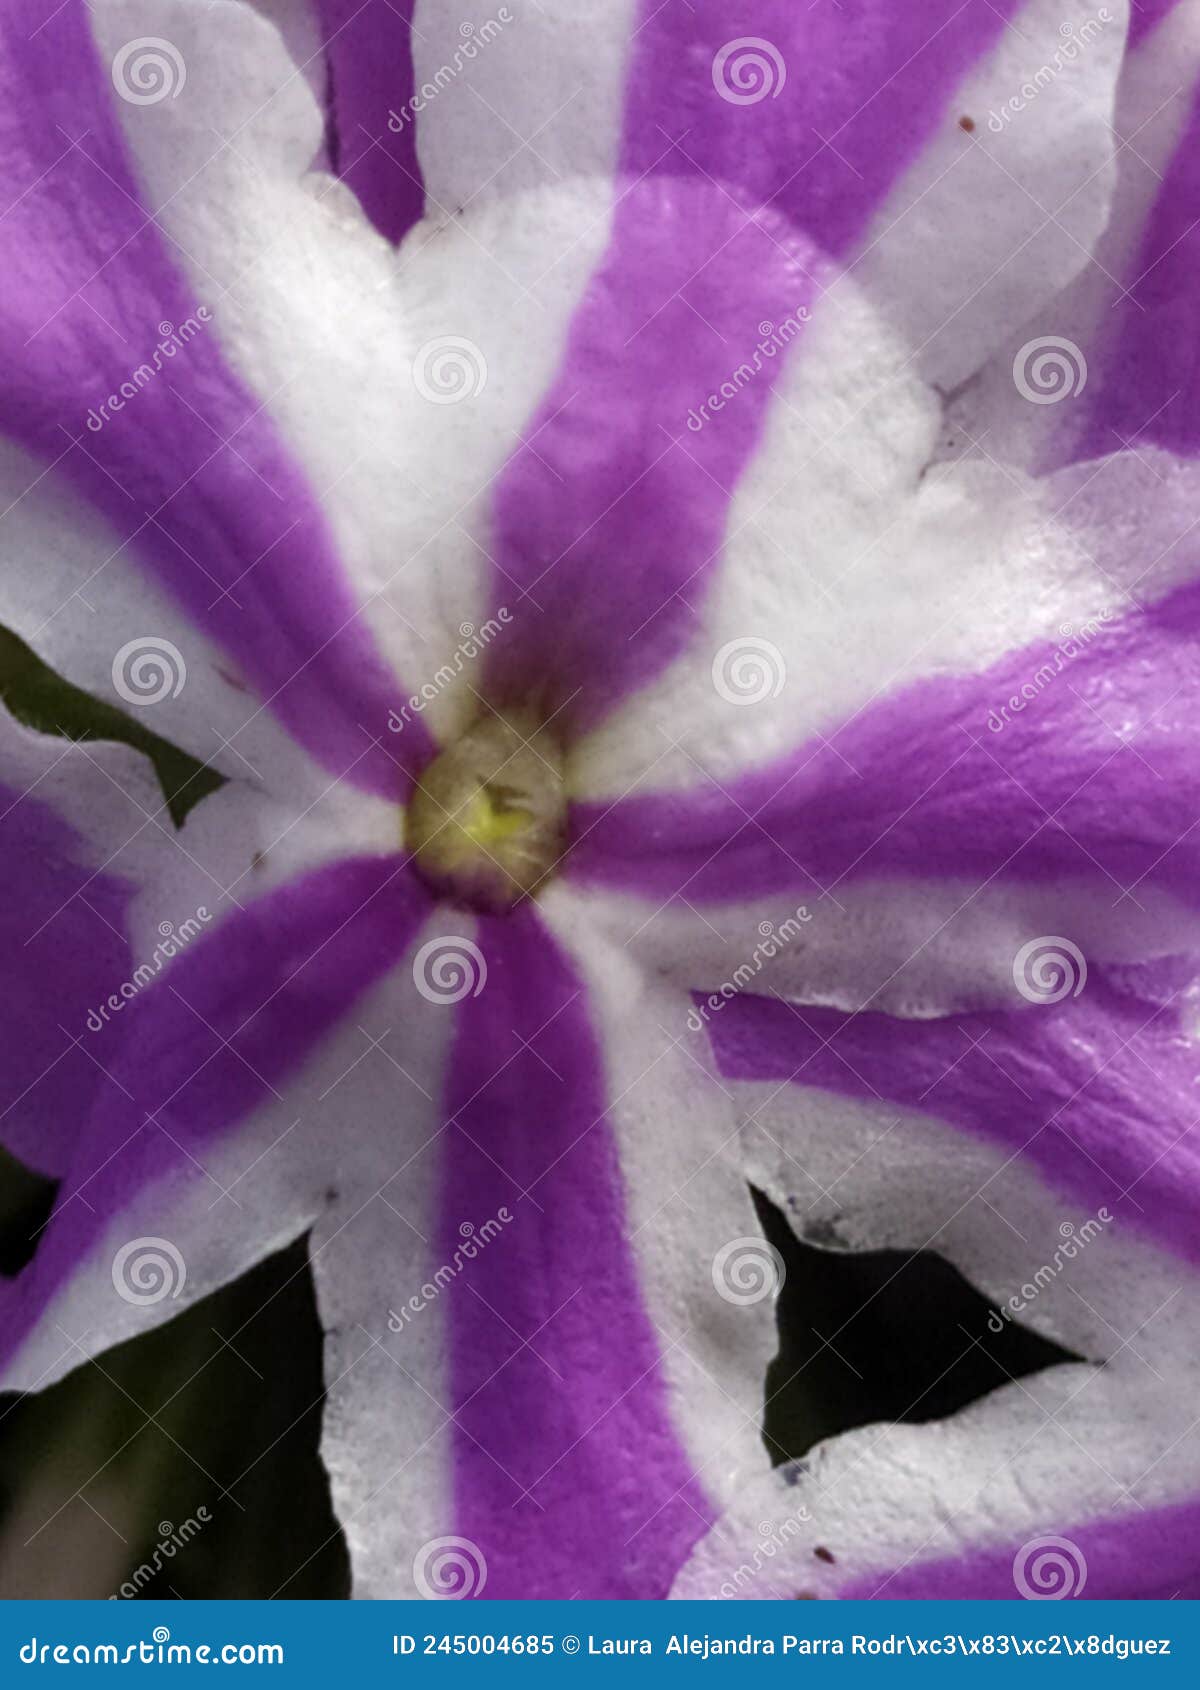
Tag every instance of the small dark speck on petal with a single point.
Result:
(331, 1194)
(823, 1554)
(967, 123)
(805, 1596)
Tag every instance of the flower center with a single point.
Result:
(486, 824)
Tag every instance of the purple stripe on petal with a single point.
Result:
(63, 951)
(372, 126)
(610, 517)
(567, 1472)
(1098, 1091)
(186, 466)
(1146, 15)
(1029, 770)
(234, 1017)
(812, 110)
(1146, 388)
(1139, 1554)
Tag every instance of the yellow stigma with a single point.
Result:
(486, 822)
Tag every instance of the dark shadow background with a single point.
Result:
(215, 1417)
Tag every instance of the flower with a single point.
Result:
(588, 520)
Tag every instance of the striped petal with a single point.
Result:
(65, 943)
(402, 417)
(1049, 1153)
(568, 1387)
(1027, 773)
(1103, 364)
(368, 51)
(672, 315)
(833, 540)
(1097, 1091)
(104, 890)
(169, 445)
(1078, 1483)
(1149, 386)
(209, 1047)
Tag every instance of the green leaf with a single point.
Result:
(44, 701)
